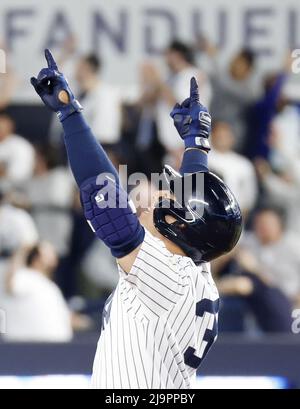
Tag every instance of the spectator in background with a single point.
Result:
(283, 189)
(7, 88)
(16, 155)
(260, 117)
(263, 111)
(280, 173)
(277, 251)
(284, 141)
(101, 101)
(140, 145)
(100, 268)
(68, 57)
(262, 277)
(234, 89)
(236, 170)
(49, 196)
(164, 94)
(81, 240)
(17, 229)
(8, 83)
(35, 308)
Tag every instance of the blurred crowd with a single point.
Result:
(55, 276)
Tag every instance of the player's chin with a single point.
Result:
(145, 216)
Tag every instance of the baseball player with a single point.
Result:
(161, 320)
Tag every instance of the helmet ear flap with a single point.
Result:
(161, 210)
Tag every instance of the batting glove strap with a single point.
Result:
(197, 142)
(71, 108)
(111, 215)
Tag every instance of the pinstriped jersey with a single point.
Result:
(158, 324)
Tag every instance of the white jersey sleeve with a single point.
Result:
(157, 280)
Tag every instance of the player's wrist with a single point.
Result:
(74, 123)
(197, 142)
(71, 108)
(194, 160)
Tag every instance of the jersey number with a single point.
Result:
(203, 306)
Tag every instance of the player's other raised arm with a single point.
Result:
(106, 205)
(193, 123)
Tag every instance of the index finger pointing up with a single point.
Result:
(194, 91)
(50, 60)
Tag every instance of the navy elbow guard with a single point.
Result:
(111, 215)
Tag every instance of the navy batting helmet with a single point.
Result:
(208, 220)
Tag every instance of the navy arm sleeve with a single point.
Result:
(194, 160)
(106, 206)
(86, 156)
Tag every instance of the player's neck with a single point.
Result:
(146, 219)
(172, 247)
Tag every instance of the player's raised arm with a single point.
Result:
(106, 205)
(193, 123)
(86, 156)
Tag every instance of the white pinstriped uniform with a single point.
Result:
(153, 320)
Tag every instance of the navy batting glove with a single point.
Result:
(192, 120)
(54, 90)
